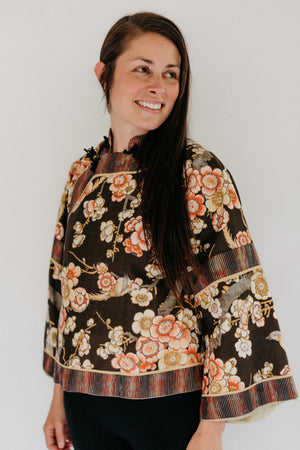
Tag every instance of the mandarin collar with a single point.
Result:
(134, 141)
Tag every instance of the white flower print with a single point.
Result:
(153, 271)
(106, 231)
(215, 308)
(187, 317)
(198, 225)
(87, 364)
(244, 348)
(143, 322)
(70, 324)
(78, 240)
(125, 214)
(141, 296)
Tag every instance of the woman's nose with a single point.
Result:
(156, 85)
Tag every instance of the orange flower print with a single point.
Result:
(130, 224)
(211, 180)
(192, 354)
(235, 384)
(81, 300)
(242, 238)
(145, 365)
(59, 231)
(62, 320)
(71, 273)
(137, 242)
(127, 363)
(182, 339)
(193, 180)
(121, 185)
(106, 281)
(205, 385)
(195, 205)
(286, 370)
(234, 199)
(164, 328)
(88, 208)
(148, 348)
(220, 221)
(77, 169)
(215, 365)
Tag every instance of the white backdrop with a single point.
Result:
(245, 107)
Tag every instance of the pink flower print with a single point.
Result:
(211, 180)
(193, 180)
(119, 185)
(148, 348)
(164, 328)
(182, 338)
(81, 300)
(106, 281)
(127, 363)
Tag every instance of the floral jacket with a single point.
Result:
(113, 327)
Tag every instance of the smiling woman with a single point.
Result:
(161, 325)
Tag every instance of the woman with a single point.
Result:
(160, 326)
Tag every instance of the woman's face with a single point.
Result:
(145, 84)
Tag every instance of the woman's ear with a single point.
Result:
(98, 69)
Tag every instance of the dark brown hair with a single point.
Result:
(161, 161)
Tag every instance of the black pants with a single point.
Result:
(108, 423)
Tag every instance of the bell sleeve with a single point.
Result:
(246, 370)
(58, 280)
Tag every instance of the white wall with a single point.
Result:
(245, 108)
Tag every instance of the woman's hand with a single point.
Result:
(56, 428)
(208, 436)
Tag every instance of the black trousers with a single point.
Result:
(109, 423)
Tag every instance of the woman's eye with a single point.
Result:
(142, 69)
(172, 75)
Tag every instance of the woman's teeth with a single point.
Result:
(150, 105)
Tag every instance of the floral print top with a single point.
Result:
(113, 327)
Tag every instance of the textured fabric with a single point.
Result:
(121, 424)
(113, 328)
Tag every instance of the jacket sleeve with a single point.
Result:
(56, 285)
(246, 371)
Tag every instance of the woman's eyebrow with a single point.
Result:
(148, 61)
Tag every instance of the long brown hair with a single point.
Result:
(161, 161)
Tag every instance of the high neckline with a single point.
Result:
(134, 141)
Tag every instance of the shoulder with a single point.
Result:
(204, 169)
(198, 157)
